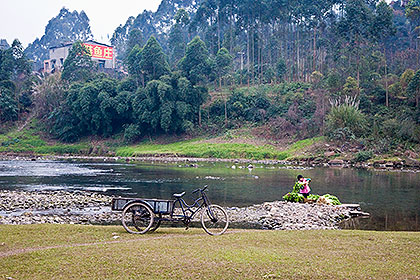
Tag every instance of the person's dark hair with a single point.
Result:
(299, 177)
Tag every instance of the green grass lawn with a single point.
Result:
(91, 252)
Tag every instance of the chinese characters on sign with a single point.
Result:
(99, 51)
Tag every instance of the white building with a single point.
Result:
(101, 53)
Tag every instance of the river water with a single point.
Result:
(391, 197)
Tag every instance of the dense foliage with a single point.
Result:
(345, 69)
(15, 83)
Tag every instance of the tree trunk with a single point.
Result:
(248, 53)
(386, 80)
(298, 53)
(199, 116)
(226, 120)
(314, 52)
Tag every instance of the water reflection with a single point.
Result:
(392, 198)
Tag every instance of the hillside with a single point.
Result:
(150, 23)
(65, 27)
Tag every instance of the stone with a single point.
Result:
(410, 154)
(336, 162)
(329, 154)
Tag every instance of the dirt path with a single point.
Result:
(166, 236)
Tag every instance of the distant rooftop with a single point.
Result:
(66, 44)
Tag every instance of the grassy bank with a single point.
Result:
(29, 141)
(196, 148)
(92, 252)
(204, 150)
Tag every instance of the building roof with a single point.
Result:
(62, 45)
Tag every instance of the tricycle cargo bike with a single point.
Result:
(141, 215)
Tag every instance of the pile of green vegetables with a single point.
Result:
(297, 197)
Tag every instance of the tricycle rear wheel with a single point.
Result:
(137, 218)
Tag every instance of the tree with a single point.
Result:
(133, 64)
(406, 78)
(49, 95)
(134, 38)
(13, 63)
(281, 69)
(351, 87)
(153, 61)
(382, 28)
(78, 65)
(223, 63)
(8, 105)
(413, 88)
(412, 11)
(196, 63)
(170, 105)
(177, 36)
(354, 28)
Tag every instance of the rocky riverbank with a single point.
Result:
(397, 164)
(61, 207)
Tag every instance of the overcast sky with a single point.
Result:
(26, 19)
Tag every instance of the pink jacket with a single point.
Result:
(306, 188)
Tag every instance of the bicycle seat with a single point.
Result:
(178, 195)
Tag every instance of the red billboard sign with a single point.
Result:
(97, 51)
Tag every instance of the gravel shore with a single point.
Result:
(61, 207)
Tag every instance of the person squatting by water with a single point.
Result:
(303, 185)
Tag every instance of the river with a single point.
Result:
(391, 197)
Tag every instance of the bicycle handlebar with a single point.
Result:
(201, 190)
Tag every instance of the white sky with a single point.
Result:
(26, 19)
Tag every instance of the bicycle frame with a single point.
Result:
(199, 203)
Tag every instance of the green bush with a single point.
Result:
(363, 156)
(346, 116)
(132, 133)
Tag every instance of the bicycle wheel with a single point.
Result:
(214, 219)
(137, 218)
(156, 222)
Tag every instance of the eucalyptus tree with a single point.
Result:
(354, 29)
(153, 60)
(382, 28)
(178, 36)
(223, 63)
(196, 64)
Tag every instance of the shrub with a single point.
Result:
(132, 133)
(346, 116)
(363, 156)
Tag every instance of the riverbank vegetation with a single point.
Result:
(347, 71)
(93, 252)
